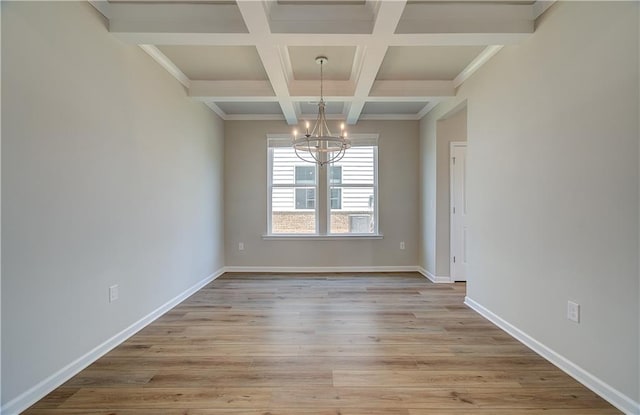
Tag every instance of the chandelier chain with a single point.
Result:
(321, 78)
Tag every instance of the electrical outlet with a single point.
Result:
(113, 293)
(402, 245)
(573, 311)
(240, 246)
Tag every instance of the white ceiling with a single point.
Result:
(387, 59)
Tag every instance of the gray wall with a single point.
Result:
(553, 185)
(427, 197)
(246, 201)
(110, 175)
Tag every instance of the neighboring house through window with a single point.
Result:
(339, 198)
(306, 197)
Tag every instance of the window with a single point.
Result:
(292, 193)
(337, 199)
(305, 198)
(354, 182)
(335, 177)
(305, 174)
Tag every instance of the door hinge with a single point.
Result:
(454, 259)
(454, 160)
(454, 210)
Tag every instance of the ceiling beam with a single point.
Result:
(257, 21)
(476, 63)
(541, 6)
(301, 91)
(387, 18)
(271, 28)
(423, 24)
(306, 39)
(166, 63)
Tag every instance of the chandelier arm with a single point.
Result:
(313, 154)
(309, 152)
(340, 155)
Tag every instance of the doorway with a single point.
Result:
(458, 206)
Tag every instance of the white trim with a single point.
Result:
(541, 6)
(216, 109)
(452, 265)
(313, 237)
(37, 392)
(254, 117)
(322, 210)
(606, 391)
(427, 109)
(392, 117)
(475, 64)
(438, 279)
(269, 269)
(167, 64)
(102, 6)
(365, 139)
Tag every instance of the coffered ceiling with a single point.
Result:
(255, 59)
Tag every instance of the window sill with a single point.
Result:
(321, 237)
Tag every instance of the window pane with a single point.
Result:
(356, 167)
(305, 198)
(357, 211)
(336, 198)
(285, 218)
(305, 175)
(335, 175)
(285, 168)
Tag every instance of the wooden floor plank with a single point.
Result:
(322, 344)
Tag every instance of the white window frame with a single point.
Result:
(322, 186)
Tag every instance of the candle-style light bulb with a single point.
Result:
(295, 133)
(342, 126)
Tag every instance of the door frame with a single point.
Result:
(452, 145)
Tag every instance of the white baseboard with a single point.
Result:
(438, 279)
(606, 391)
(40, 390)
(398, 268)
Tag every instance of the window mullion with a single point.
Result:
(322, 194)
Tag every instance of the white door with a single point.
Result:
(458, 164)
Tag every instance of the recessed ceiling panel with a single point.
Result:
(403, 108)
(337, 68)
(419, 63)
(311, 108)
(222, 2)
(324, 2)
(226, 63)
(467, 1)
(252, 108)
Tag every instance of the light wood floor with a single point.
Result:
(365, 344)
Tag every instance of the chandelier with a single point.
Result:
(319, 146)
